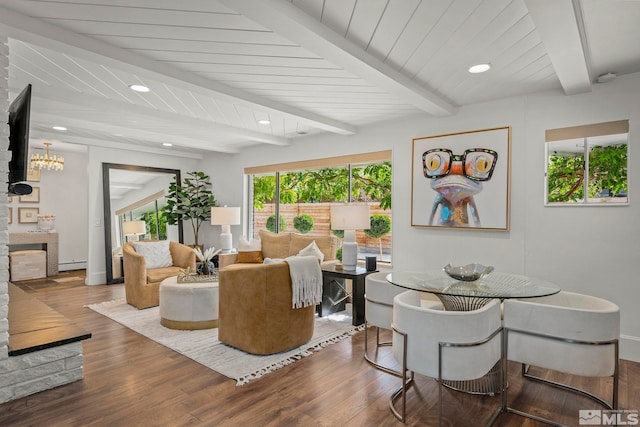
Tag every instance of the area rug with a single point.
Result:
(203, 346)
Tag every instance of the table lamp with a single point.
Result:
(134, 228)
(226, 217)
(350, 218)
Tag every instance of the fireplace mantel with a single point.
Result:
(48, 242)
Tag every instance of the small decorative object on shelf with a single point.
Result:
(205, 266)
(46, 222)
(467, 273)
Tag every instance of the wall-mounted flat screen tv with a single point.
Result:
(19, 112)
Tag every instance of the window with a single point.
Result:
(587, 165)
(301, 194)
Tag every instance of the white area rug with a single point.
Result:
(203, 346)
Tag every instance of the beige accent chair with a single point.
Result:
(567, 332)
(445, 345)
(142, 285)
(255, 300)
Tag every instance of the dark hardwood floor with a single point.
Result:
(130, 380)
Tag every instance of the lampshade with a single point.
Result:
(130, 228)
(350, 217)
(224, 215)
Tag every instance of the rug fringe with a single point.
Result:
(304, 353)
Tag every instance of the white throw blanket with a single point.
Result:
(306, 280)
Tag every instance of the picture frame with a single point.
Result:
(33, 175)
(28, 215)
(462, 180)
(34, 197)
(10, 216)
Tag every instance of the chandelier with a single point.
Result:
(47, 162)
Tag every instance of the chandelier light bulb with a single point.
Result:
(47, 161)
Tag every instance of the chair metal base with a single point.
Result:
(379, 344)
(402, 391)
(525, 368)
(526, 374)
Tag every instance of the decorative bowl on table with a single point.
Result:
(467, 273)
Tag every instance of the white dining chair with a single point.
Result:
(378, 309)
(445, 345)
(567, 332)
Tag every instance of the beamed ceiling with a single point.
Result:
(308, 66)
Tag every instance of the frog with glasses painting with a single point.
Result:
(457, 179)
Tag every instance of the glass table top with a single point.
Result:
(493, 285)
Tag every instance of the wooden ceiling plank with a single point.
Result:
(364, 22)
(557, 23)
(301, 28)
(426, 16)
(336, 14)
(143, 44)
(391, 26)
(191, 5)
(136, 15)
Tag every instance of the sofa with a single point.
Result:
(147, 264)
(255, 308)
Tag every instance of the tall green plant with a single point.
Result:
(191, 201)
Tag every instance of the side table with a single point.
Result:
(331, 277)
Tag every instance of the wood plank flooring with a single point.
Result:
(133, 381)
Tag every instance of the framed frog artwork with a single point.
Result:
(462, 180)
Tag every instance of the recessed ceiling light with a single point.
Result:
(264, 122)
(59, 128)
(139, 88)
(479, 68)
(167, 144)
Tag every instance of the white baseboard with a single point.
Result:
(72, 265)
(99, 278)
(630, 348)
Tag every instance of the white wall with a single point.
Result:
(592, 250)
(96, 274)
(63, 193)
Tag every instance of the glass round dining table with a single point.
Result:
(464, 296)
(460, 295)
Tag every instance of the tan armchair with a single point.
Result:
(255, 300)
(141, 284)
(255, 313)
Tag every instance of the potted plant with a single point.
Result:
(191, 201)
(380, 226)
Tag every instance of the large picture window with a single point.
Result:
(298, 197)
(587, 165)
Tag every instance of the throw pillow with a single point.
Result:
(273, 260)
(250, 257)
(312, 250)
(250, 252)
(156, 254)
(275, 245)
